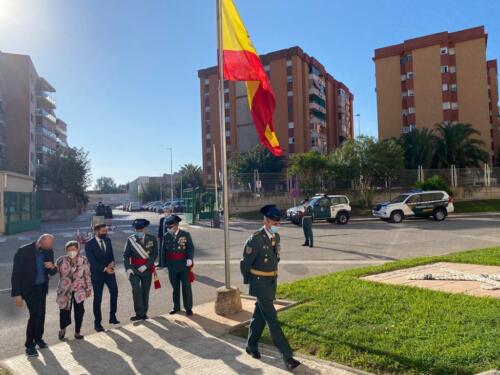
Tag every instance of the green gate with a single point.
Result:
(199, 204)
(21, 212)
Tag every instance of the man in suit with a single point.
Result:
(161, 232)
(139, 257)
(259, 267)
(33, 263)
(99, 252)
(179, 252)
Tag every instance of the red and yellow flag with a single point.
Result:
(241, 63)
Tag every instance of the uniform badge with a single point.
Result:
(266, 260)
(149, 244)
(248, 250)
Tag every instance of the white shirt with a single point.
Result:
(101, 243)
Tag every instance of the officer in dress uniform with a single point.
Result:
(307, 222)
(259, 267)
(139, 256)
(162, 229)
(179, 252)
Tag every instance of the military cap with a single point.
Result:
(172, 219)
(272, 212)
(140, 223)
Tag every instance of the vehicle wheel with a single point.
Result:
(439, 214)
(342, 218)
(297, 221)
(397, 217)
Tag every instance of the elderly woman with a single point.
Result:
(73, 288)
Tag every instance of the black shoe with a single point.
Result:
(99, 328)
(291, 364)
(174, 311)
(113, 320)
(189, 312)
(304, 244)
(61, 334)
(41, 344)
(311, 246)
(136, 318)
(144, 317)
(78, 336)
(254, 353)
(31, 352)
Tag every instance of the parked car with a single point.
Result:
(134, 206)
(120, 207)
(332, 208)
(437, 204)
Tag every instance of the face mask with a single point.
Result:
(170, 230)
(274, 229)
(139, 234)
(102, 236)
(72, 254)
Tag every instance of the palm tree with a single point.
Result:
(456, 145)
(190, 175)
(418, 148)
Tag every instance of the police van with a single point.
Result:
(332, 208)
(435, 204)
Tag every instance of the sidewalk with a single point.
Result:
(167, 345)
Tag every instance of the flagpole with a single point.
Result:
(222, 117)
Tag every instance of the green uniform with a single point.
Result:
(178, 249)
(140, 281)
(307, 221)
(259, 267)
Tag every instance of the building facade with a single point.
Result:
(443, 77)
(313, 110)
(29, 128)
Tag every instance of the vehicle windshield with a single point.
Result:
(399, 198)
(312, 202)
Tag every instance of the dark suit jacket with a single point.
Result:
(24, 270)
(97, 258)
(161, 228)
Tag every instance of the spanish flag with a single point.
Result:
(241, 63)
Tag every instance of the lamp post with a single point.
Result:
(171, 178)
(359, 124)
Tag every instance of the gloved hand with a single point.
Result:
(189, 263)
(142, 268)
(129, 272)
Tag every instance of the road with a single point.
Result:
(360, 243)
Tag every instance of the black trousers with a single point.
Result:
(98, 283)
(35, 301)
(178, 279)
(65, 315)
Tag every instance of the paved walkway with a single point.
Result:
(166, 345)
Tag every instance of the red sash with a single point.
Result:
(141, 262)
(182, 256)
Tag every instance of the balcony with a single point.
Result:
(315, 91)
(44, 100)
(313, 120)
(317, 107)
(43, 85)
(40, 112)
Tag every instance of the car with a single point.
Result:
(417, 203)
(332, 208)
(120, 207)
(134, 206)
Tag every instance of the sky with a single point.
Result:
(125, 71)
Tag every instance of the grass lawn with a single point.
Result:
(4, 372)
(395, 329)
(486, 205)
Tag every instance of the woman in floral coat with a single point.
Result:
(73, 288)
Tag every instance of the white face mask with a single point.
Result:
(72, 254)
(170, 230)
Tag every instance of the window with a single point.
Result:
(405, 112)
(411, 110)
(289, 79)
(453, 87)
(411, 92)
(267, 68)
(291, 140)
(403, 77)
(228, 133)
(290, 93)
(226, 105)
(288, 62)
(291, 125)
(414, 199)
(430, 197)
(207, 81)
(444, 69)
(405, 94)
(446, 105)
(338, 200)
(409, 75)
(227, 119)
(226, 91)
(208, 136)
(445, 87)
(453, 69)
(454, 105)
(207, 108)
(444, 50)
(451, 51)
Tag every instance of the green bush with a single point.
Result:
(434, 183)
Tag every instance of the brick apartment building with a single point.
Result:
(313, 110)
(435, 78)
(29, 129)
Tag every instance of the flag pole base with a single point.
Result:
(228, 301)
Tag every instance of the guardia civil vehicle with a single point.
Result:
(436, 204)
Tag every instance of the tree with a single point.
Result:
(189, 175)
(456, 145)
(106, 185)
(66, 170)
(312, 168)
(387, 158)
(260, 159)
(418, 148)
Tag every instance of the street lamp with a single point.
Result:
(171, 178)
(359, 124)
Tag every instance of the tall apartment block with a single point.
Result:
(313, 110)
(29, 129)
(443, 77)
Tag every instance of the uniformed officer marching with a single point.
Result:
(179, 252)
(259, 267)
(307, 222)
(139, 256)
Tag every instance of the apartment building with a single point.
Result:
(313, 110)
(29, 128)
(443, 77)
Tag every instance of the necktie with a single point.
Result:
(102, 246)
